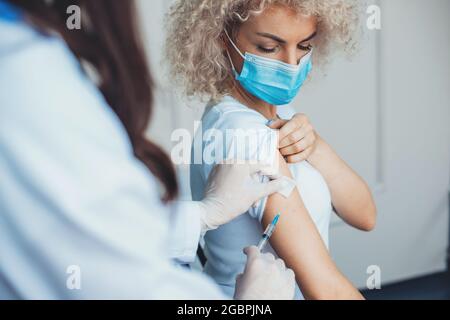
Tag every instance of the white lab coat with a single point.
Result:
(80, 216)
(186, 231)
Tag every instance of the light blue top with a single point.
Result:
(223, 246)
(72, 195)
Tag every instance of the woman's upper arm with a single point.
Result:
(298, 242)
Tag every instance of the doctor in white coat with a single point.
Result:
(80, 215)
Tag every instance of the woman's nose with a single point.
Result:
(292, 57)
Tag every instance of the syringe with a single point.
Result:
(268, 233)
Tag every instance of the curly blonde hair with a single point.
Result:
(195, 28)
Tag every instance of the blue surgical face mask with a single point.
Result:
(271, 80)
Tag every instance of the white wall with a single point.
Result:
(387, 114)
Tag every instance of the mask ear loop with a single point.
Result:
(235, 47)
(231, 61)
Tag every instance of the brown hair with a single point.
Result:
(111, 43)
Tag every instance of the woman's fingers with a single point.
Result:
(277, 124)
(297, 138)
(294, 130)
(286, 129)
(299, 157)
(299, 146)
(296, 148)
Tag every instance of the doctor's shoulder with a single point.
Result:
(36, 66)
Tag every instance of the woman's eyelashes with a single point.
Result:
(264, 49)
(304, 47)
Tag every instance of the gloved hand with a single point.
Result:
(232, 189)
(264, 278)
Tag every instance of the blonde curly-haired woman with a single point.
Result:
(250, 58)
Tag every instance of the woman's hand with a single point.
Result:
(297, 138)
(351, 197)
